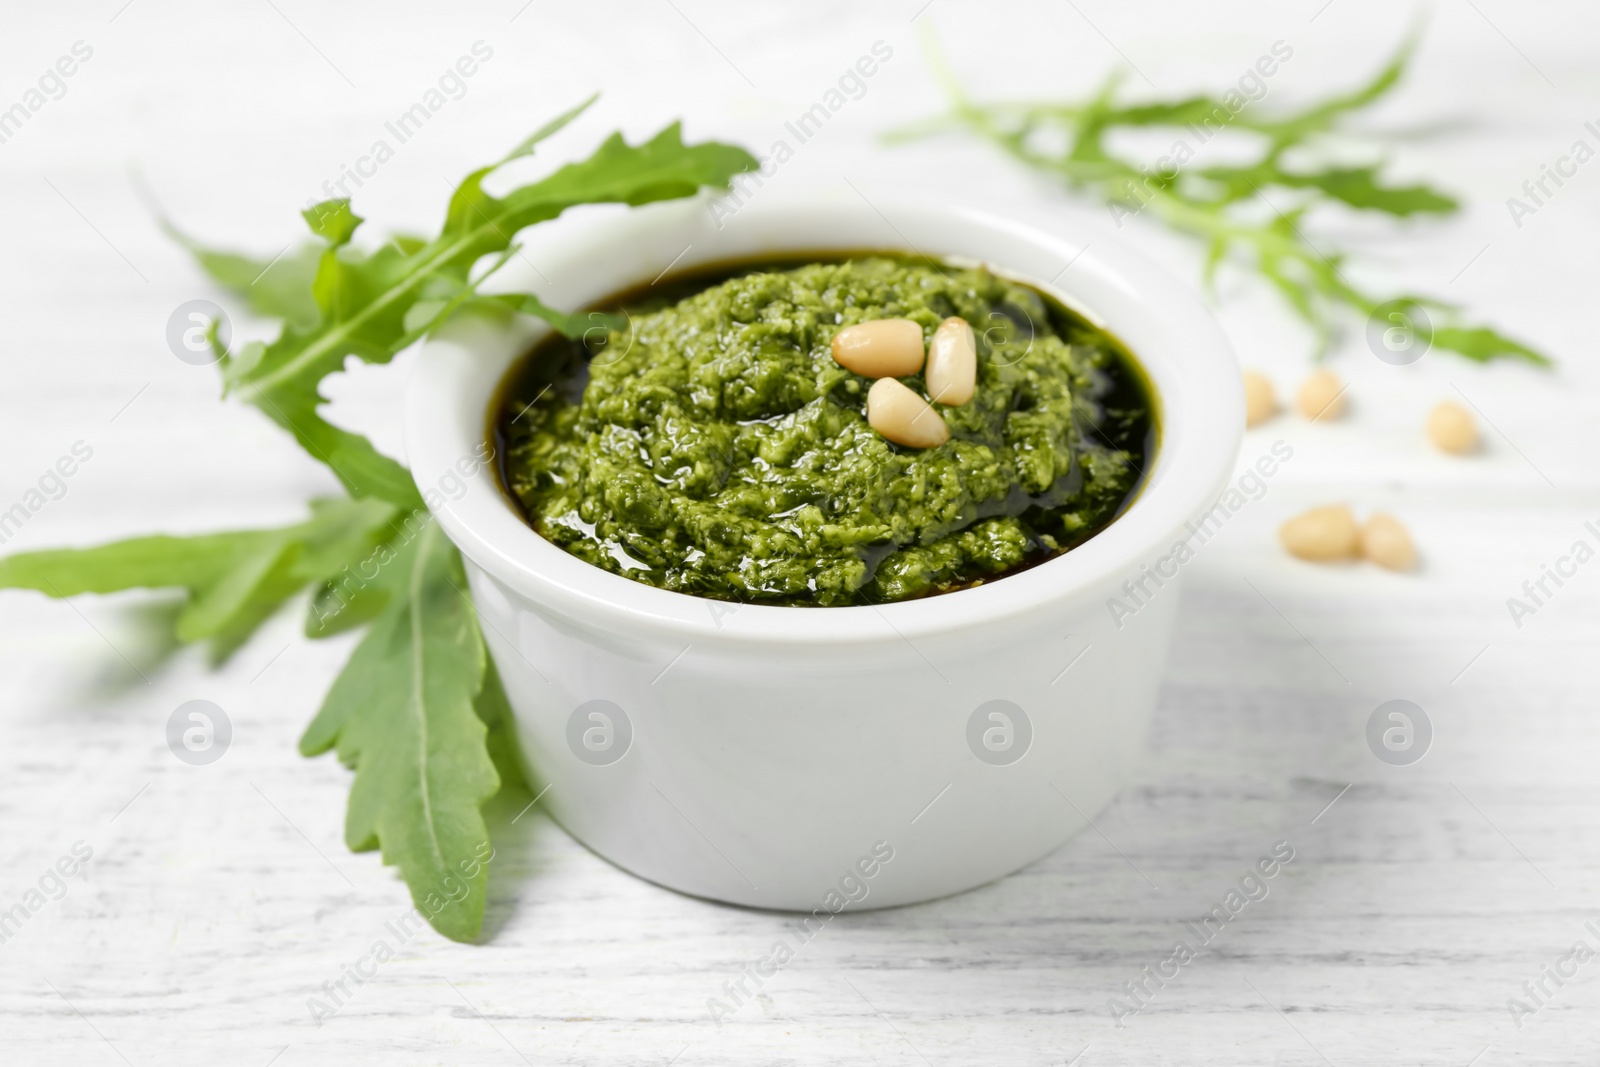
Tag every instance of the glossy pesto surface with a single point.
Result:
(710, 444)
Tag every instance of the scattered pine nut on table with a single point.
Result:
(1452, 428)
(1321, 534)
(1321, 396)
(1260, 401)
(1386, 542)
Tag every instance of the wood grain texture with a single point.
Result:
(220, 899)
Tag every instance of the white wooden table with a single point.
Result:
(219, 898)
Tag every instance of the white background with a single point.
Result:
(221, 897)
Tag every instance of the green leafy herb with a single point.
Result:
(235, 581)
(418, 711)
(375, 304)
(1254, 212)
(278, 288)
(402, 714)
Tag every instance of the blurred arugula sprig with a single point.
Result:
(1224, 204)
(418, 711)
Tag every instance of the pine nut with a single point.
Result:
(882, 348)
(1387, 543)
(1451, 428)
(1322, 396)
(1260, 403)
(1321, 534)
(904, 417)
(952, 363)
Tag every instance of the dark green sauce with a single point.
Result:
(705, 441)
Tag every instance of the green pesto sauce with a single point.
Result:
(712, 445)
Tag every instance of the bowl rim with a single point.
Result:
(1191, 370)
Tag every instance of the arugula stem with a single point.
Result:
(335, 339)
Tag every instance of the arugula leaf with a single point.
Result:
(364, 299)
(1324, 116)
(360, 591)
(402, 714)
(495, 711)
(140, 563)
(1227, 207)
(577, 325)
(333, 221)
(1360, 187)
(419, 710)
(235, 580)
(1482, 344)
(279, 287)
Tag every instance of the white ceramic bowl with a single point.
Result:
(822, 758)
